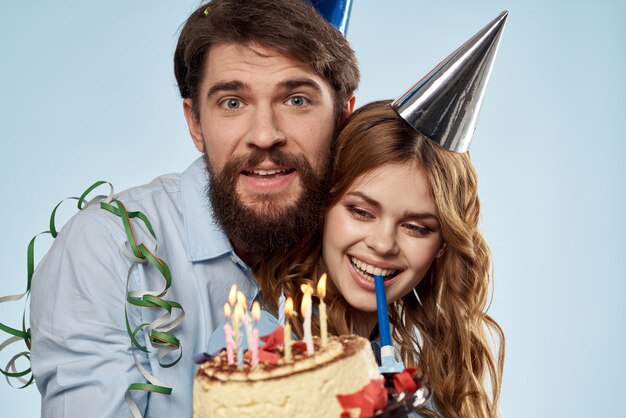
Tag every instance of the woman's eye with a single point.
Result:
(417, 230)
(231, 104)
(359, 213)
(297, 101)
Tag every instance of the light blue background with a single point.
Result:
(87, 92)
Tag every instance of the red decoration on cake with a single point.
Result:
(299, 346)
(369, 399)
(274, 340)
(268, 357)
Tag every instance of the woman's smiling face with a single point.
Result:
(386, 224)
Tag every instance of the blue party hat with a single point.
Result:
(336, 12)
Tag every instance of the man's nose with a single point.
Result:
(265, 131)
(382, 239)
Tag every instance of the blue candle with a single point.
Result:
(281, 308)
(383, 315)
(240, 350)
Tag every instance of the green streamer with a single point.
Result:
(159, 335)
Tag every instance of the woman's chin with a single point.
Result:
(363, 305)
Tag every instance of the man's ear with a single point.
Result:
(195, 128)
(348, 108)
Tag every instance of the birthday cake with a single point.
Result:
(307, 386)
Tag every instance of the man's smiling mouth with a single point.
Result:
(268, 173)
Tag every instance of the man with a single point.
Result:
(265, 84)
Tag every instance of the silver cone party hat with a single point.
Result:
(444, 105)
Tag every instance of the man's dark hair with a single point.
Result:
(292, 27)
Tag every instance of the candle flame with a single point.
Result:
(306, 303)
(306, 288)
(321, 286)
(238, 314)
(241, 299)
(227, 310)
(289, 307)
(232, 296)
(256, 311)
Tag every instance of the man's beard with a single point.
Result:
(267, 226)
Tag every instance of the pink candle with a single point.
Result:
(230, 343)
(254, 347)
(306, 307)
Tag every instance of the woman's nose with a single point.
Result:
(382, 240)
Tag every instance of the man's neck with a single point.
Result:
(251, 259)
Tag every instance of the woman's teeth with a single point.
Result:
(371, 270)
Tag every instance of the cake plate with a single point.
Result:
(403, 405)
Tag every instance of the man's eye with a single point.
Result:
(298, 101)
(231, 104)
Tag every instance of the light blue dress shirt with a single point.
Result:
(81, 354)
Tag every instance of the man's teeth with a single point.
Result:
(267, 172)
(367, 268)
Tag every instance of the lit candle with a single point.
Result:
(306, 309)
(241, 300)
(321, 293)
(254, 344)
(287, 337)
(237, 317)
(232, 295)
(228, 336)
(281, 308)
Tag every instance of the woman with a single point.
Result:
(402, 204)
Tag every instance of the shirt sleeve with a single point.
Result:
(81, 353)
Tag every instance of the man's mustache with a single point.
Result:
(274, 156)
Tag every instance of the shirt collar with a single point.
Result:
(205, 238)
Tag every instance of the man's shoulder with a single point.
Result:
(160, 197)
(165, 190)
(165, 186)
(168, 209)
